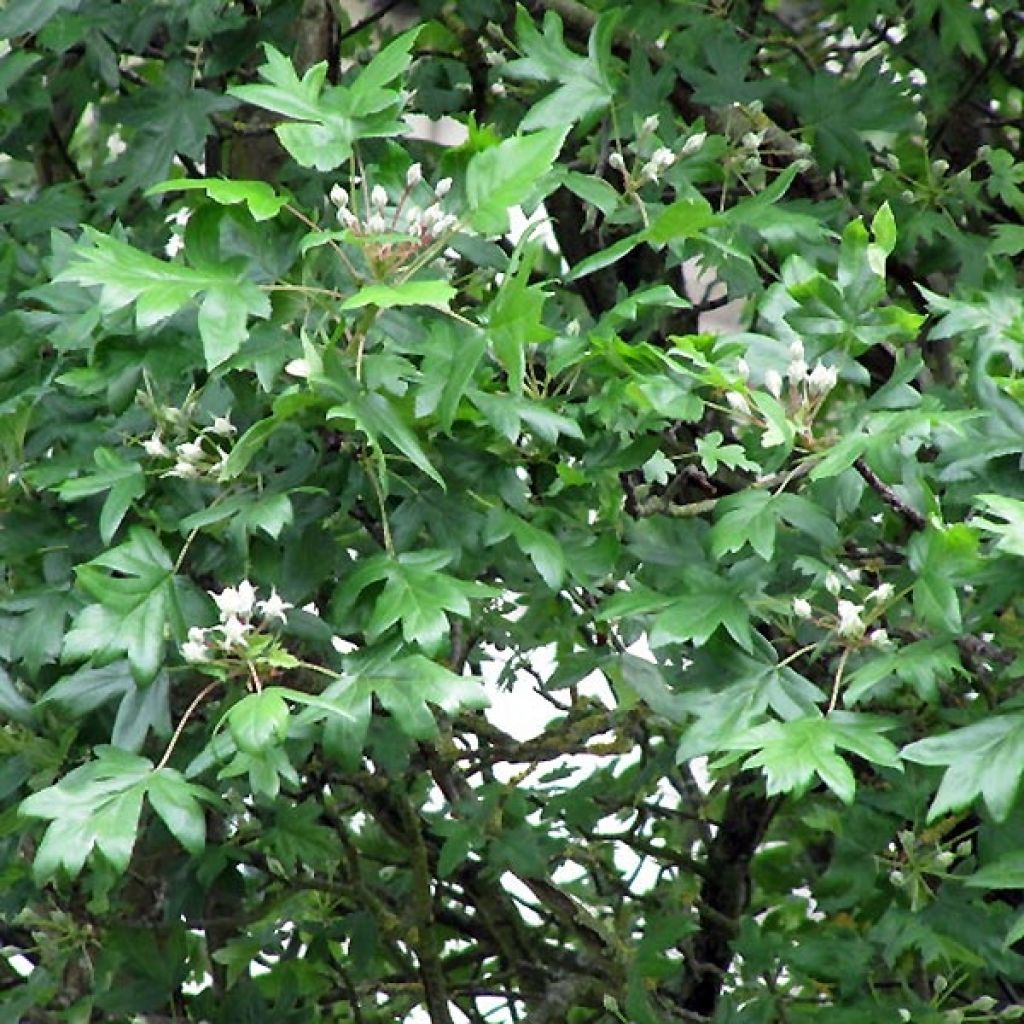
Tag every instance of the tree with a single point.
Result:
(305, 435)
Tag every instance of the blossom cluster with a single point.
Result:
(201, 455)
(659, 161)
(425, 224)
(848, 620)
(238, 608)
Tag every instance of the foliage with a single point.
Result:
(311, 452)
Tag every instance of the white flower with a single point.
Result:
(650, 124)
(879, 638)
(311, 609)
(882, 592)
(155, 448)
(183, 471)
(174, 245)
(833, 584)
(850, 624)
(796, 349)
(414, 175)
(346, 218)
(853, 575)
(190, 451)
(297, 368)
(338, 196)
(572, 329)
(222, 425)
(498, 88)
(743, 368)
(693, 143)
(115, 145)
(802, 608)
(341, 645)
(797, 371)
(376, 224)
(773, 382)
(234, 630)
(196, 634)
(378, 197)
(443, 187)
(194, 651)
(663, 158)
(822, 379)
(616, 162)
(274, 607)
(235, 601)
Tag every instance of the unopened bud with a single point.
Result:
(693, 143)
(617, 162)
(378, 197)
(773, 382)
(414, 175)
(443, 187)
(338, 196)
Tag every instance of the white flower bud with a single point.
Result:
(822, 379)
(616, 161)
(498, 89)
(338, 196)
(572, 328)
(414, 175)
(376, 224)
(737, 402)
(663, 158)
(347, 219)
(341, 645)
(650, 125)
(378, 197)
(443, 187)
(773, 382)
(223, 426)
(802, 608)
(983, 1003)
(944, 858)
(882, 592)
(311, 609)
(693, 144)
(833, 584)
(940, 984)
(183, 471)
(796, 350)
(797, 372)
(939, 167)
(743, 368)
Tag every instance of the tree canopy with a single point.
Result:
(368, 374)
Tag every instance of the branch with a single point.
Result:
(889, 496)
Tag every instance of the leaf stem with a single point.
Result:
(189, 711)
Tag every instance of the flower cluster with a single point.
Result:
(659, 161)
(238, 608)
(807, 387)
(848, 620)
(421, 225)
(193, 457)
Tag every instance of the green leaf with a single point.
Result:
(1009, 534)
(507, 174)
(685, 218)
(791, 753)
(160, 289)
(410, 293)
(538, 545)
(176, 801)
(134, 608)
(984, 759)
(259, 720)
(711, 603)
(418, 595)
(260, 198)
(96, 806)
(1006, 872)
(585, 87)
(378, 418)
(123, 479)
(12, 704)
(328, 121)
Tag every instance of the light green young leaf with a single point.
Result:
(507, 174)
(176, 801)
(260, 198)
(409, 293)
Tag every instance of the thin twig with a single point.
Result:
(889, 496)
(189, 711)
